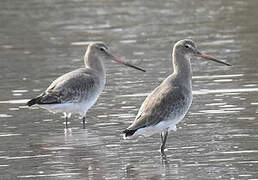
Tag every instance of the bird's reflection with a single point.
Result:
(67, 132)
(130, 171)
(164, 159)
(148, 170)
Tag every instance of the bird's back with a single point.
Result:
(74, 87)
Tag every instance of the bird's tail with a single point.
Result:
(129, 132)
(33, 101)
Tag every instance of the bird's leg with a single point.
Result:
(68, 115)
(164, 139)
(83, 121)
(161, 136)
(66, 120)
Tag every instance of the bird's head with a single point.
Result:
(101, 51)
(188, 49)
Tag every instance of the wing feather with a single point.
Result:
(159, 105)
(70, 87)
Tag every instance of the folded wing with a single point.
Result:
(71, 87)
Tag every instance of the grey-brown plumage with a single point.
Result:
(69, 88)
(169, 102)
(174, 99)
(77, 91)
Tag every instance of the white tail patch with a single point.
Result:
(156, 129)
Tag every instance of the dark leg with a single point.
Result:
(83, 122)
(161, 136)
(164, 139)
(66, 122)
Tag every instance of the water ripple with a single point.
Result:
(200, 92)
(15, 101)
(28, 157)
(9, 134)
(50, 175)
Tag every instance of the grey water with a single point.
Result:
(41, 40)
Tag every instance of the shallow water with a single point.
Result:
(40, 40)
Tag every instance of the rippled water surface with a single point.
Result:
(40, 40)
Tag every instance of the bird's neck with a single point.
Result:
(182, 68)
(95, 63)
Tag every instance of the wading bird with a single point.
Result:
(169, 102)
(78, 90)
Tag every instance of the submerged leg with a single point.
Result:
(67, 116)
(163, 139)
(66, 120)
(84, 119)
(83, 122)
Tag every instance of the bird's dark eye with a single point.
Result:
(102, 49)
(187, 46)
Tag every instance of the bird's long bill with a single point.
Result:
(205, 56)
(125, 63)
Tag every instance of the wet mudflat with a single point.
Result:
(41, 40)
